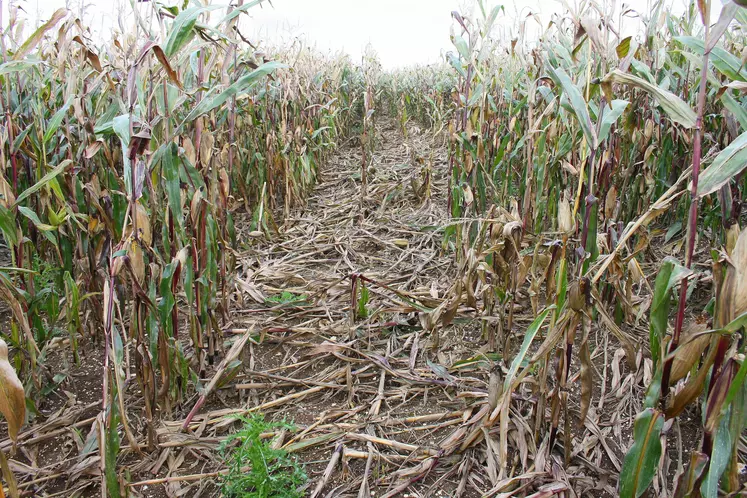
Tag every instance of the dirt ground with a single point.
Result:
(405, 417)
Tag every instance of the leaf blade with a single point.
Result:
(642, 459)
(677, 109)
(730, 162)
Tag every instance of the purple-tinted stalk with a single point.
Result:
(692, 222)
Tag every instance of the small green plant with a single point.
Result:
(287, 298)
(256, 470)
(48, 289)
(362, 311)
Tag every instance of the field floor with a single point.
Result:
(378, 408)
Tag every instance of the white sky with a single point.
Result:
(403, 32)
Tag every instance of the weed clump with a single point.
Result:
(255, 469)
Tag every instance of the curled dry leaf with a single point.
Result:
(194, 206)
(587, 382)
(690, 350)
(610, 202)
(7, 198)
(137, 259)
(692, 389)
(636, 273)
(578, 294)
(207, 144)
(717, 395)
(225, 187)
(733, 297)
(12, 396)
(145, 233)
(732, 235)
(565, 215)
(467, 193)
(189, 150)
(689, 479)
(512, 229)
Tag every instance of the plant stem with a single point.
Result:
(692, 223)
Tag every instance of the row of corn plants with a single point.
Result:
(420, 94)
(566, 157)
(123, 165)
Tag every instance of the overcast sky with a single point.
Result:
(403, 32)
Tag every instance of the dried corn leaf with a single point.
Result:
(587, 381)
(689, 351)
(12, 396)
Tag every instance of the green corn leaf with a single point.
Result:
(8, 226)
(105, 123)
(190, 175)
(610, 117)
(670, 273)
(167, 298)
(461, 47)
(727, 64)
(492, 17)
(19, 140)
(720, 456)
(729, 163)
(111, 450)
(673, 230)
(728, 11)
(56, 121)
(623, 47)
(653, 25)
(30, 214)
(45, 180)
(215, 99)
(735, 325)
(643, 70)
(687, 481)
(737, 424)
(642, 460)
(237, 11)
(736, 388)
(16, 66)
(182, 29)
(735, 108)
(653, 392)
(363, 301)
(676, 108)
(534, 327)
(578, 103)
(121, 127)
(456, 64)
(170, 165)
(318, 131)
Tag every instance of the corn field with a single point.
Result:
(238, 269)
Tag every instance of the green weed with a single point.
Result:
(287, 298)
(256, 470)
